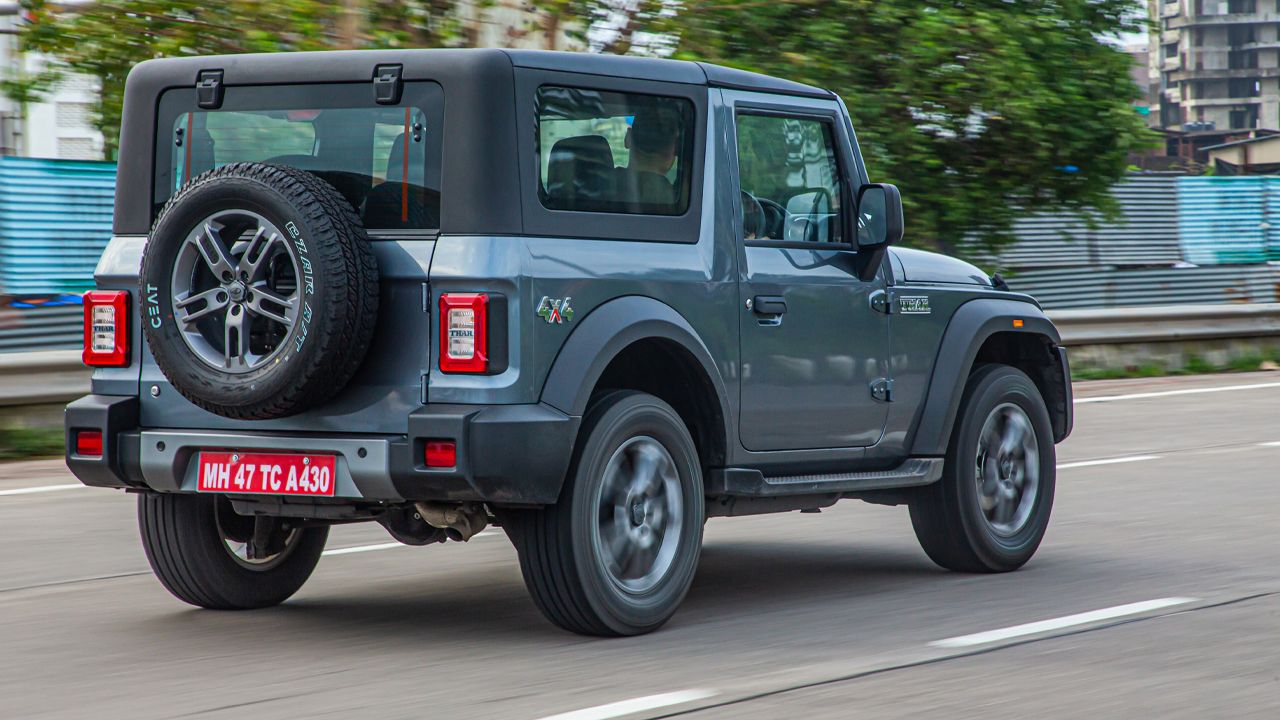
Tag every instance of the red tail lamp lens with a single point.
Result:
(89, 443)
(106, 328)
(441, 453)
(464, 340)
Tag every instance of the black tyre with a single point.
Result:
(991, 508)
(259, 291)
(617, 553)
(206, 554)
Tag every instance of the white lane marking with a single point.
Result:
(1107, 461)
(1269, 444)
(390, 545)
(362, 548)
(41, 489)
(1168, 393)
(634, 705)
(1067, 621)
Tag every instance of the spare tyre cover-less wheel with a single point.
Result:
(259, 291)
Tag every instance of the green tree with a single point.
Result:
(105, 39)
(979, 110)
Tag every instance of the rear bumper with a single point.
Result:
(512, 454)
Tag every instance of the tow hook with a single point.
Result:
(461, 522)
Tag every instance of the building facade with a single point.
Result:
(1215, 64)
(60, 124)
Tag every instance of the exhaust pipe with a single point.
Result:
(461, 522)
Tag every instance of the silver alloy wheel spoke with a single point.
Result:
(639, 512)
(235, 346)
(215, 256)
(234, 291)
(256, 305)
(1007, 470)
(257, 250)
(214, 299)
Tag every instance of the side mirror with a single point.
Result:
(879, 213)
(879, 216)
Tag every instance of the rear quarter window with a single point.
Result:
(614, 152)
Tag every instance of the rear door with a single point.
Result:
(813, 349)
(385, 160)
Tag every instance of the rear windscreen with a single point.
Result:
(383, 159)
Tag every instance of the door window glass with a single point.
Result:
(789, 179)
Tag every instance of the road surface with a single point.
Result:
(1155, 594)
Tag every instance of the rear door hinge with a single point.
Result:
(882, 390)
(387, 84)
(209, 89)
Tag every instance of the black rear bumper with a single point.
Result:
(510, 454)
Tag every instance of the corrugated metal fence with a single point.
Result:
(1177, 240)
(55, 219)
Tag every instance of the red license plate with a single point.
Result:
(267, 474)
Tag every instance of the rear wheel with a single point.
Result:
(991, 508)
(617, 553)
(207, 555)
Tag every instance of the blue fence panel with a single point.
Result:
(1224, 220)
(55, 219)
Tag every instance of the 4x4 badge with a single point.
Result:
(555, 310)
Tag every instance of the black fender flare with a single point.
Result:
(970, 326)
(607, 331)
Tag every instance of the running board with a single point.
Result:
(746, 482)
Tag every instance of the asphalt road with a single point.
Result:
(1163, 495)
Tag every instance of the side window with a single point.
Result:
(789, 179)
(601, 151)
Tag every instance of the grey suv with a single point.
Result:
(592, 300)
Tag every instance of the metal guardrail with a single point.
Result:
(1166, 324)
(57, 376)
(42, 378)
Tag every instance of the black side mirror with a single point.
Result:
(879, 213)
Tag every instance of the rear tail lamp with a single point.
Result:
(440, 453)
(89, 443)
(106, 328)
(464, 322)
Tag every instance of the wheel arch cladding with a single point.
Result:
(640, 343)
(992, 330)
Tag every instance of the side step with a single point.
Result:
(745, 482)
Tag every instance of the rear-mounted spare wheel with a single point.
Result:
(259, 291)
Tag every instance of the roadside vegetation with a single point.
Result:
(24, 443)
(1194, 365)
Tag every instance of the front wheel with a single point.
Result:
(991, 508)
(207, 555)
(617, 553)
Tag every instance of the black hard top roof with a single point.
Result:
(682, 71)
(356, 65)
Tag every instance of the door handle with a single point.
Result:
(769, 304)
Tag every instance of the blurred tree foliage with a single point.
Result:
(978, 109)
(106, 38)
